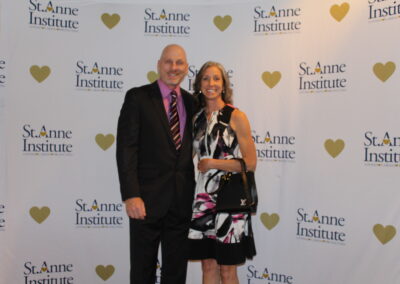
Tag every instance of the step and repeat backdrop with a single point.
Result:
(319, 81)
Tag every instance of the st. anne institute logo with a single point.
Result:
(276, 20)
(53, 16)
(166, 22)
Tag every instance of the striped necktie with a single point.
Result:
(174, 121)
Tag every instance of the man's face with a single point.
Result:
(172, 66)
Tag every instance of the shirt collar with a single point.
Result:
(165, 90)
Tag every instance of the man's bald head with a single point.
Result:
(173, 48)
(172, 65)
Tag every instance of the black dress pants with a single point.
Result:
(146, 235)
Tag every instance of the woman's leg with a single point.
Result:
(210, 271)
(229, 274)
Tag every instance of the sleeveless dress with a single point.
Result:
(226, 237)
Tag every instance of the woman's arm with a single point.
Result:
(240, 124)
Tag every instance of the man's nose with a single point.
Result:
(174, 65)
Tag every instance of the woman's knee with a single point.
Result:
(209, 266)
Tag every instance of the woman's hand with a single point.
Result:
(205, 164)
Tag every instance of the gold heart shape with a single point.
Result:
(267, 139)
(384, 71)
(315, 218)
(334, 148)
(104, 142)
(110, 20)
(269, 221)
(384, 234)
(271, 79)
(152, 76)
(222, 23)
(39, 214)
(40, 73)
(105, 272)
(339, 12)
(386, 141)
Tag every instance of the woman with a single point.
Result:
(220, 240)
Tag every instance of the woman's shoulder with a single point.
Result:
(230, 113)
(233, 109)
(238, 119)
(237, 114)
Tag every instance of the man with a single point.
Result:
(154, 157)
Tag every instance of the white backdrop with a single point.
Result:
(317, 79)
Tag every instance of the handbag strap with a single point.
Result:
(243, 174)
(208, 181)
(244, 178)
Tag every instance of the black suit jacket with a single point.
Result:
(148, 164)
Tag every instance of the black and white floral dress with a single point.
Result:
(226, 237)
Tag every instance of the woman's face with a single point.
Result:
(212, 83)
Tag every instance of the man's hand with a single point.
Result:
(135, 208)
